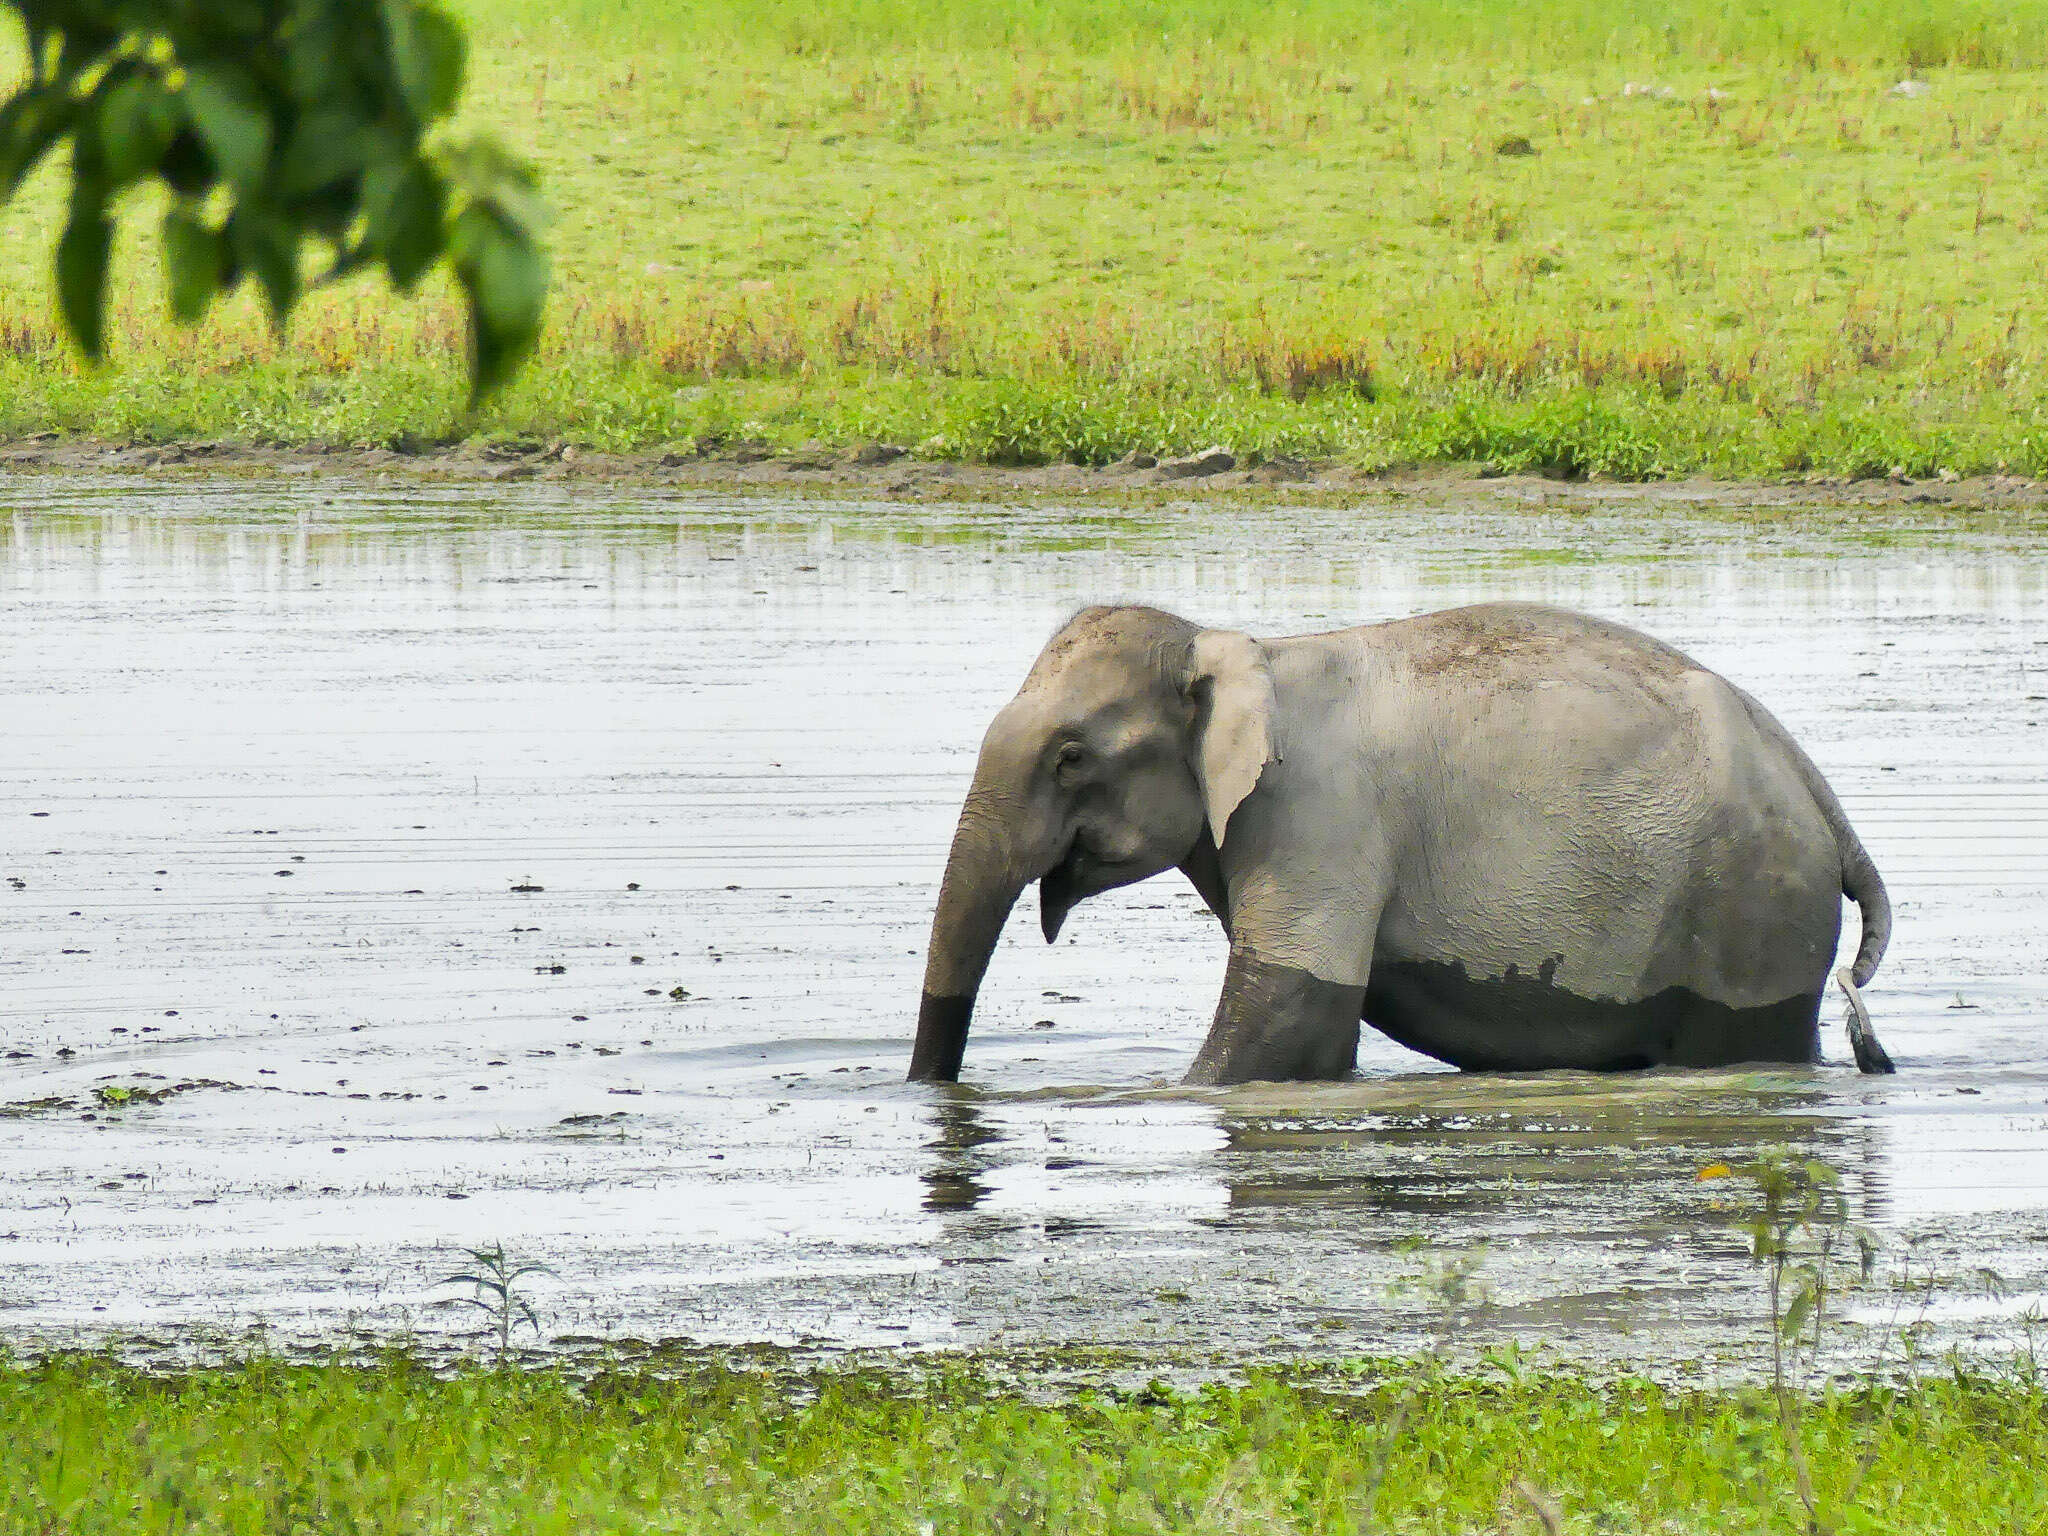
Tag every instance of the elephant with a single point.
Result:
(1510, 836)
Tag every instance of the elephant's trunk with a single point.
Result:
(982, 883)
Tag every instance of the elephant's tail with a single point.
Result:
(1861, 883)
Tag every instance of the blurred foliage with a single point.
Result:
(272, 125)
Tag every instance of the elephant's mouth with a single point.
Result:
(1058, 889)
(1080, 873)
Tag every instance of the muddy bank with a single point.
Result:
(881, 472)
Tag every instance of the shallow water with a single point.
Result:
(376, 828)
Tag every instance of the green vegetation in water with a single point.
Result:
(95, 1447)
(493, 1278)
(1740, 240)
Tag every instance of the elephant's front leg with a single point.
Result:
(1278, 1023)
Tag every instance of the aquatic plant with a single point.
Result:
(1801, 1233)
(493, 1284)
(1451, 1283)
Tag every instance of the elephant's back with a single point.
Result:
(1594, 799)
(1590, 713)
(1509, 647)
(1563, 702)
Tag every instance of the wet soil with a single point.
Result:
(391, 867)
(888, 474)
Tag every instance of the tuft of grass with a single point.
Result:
(1695, 238)
(95, 1447)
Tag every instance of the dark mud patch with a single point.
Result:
(1995, 500)
(145, 1091)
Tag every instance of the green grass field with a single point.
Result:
(263, 1448)
(1713, 237)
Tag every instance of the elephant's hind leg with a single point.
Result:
(1711, 1034)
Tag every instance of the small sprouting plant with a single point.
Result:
(493, 1282)
(2027, 1323)
(1799, 1229)
(1452, 1282)
(1799, 1233)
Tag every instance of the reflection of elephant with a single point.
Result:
(953, 1181)
(1509, 836)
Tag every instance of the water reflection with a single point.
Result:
(1614, 1157)
(952, 1174)
(1573, 1158)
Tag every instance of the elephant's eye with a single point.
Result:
(1069, 757)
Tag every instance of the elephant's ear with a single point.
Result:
(1231, 687)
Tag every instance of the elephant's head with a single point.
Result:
(1134, 733)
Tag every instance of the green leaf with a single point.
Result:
(316, 50)
(311, 118)
(267, 245)
(37, 28)
(1805, 1298)
(427, 54)
(405, 208)
(83, 43)
(194, 260)
(186, 167)
(233, 121)
(82, 270)
(33, 118)
(486, 171)
(326, 147)
(504, 275)
(138, 120)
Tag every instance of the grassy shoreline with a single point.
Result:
(262, 1446)
(1564, 433)
(1711, 240)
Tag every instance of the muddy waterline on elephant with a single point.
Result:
(389, 871)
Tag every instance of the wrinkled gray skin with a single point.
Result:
(1509, 836)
